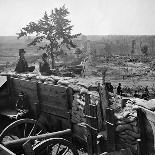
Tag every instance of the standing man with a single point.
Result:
(22, 65)
(119, 89)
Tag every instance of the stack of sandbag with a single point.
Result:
(150, 104)
(78, 104)
(127, 128)
(115, 102)
(78, 108)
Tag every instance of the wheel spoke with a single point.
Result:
(13, 138)
(39, 132)
(21, 129)
(66, 151)
(25, 126)
(57, 149)
(32, 130)
(56, 146)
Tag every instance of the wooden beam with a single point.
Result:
(43, 136)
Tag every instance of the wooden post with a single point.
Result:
(9, 85)
(36, 109)
(91, 121)
(142, 149)
(104, 103)
(37, 105)
(110, 122)
(69, 108)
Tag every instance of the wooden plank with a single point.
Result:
(56, 104)
(54, 110)
(62, 96)
(52, 89)
(54, 101)
(53, 95)
(5, 151)
(27, 84)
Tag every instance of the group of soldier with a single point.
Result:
(22, 65)
(119, 91)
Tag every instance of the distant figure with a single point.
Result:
(136, 94)
(84, 63)
(146, 95)
(22, 65)
(146, 90)
(109, 87)
(119, 89)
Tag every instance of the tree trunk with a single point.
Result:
(53, 60)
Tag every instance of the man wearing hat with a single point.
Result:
(44, 66)
(22, 65)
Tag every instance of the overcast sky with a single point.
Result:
(89, 17)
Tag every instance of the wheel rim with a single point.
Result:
(20, 129)
(23, 128)
(55, 146)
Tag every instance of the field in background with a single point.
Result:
(9, 47)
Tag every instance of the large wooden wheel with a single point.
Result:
(55, 146)
(20, 129)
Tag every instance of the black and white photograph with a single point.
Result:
(77, 77)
